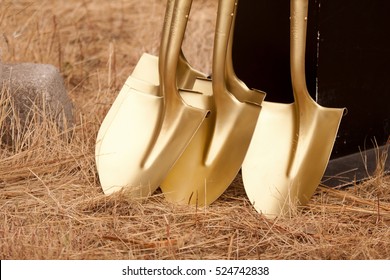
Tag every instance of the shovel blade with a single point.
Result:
(131, 138)
(120, 151)
(198, 181)
(278, 178)
(264, 170)
(317, 134)
(144, 78)
(136, 117)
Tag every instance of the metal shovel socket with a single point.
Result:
(144, 141)
(292, 143)
(145, 78)
(201, 175)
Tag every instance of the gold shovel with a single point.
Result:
(143, 142)
(145, 78)
(211, 162)
(292, 143)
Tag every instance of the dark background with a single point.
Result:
(347, 61)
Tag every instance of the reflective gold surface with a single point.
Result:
(149, 126)
(214, 157)
(292, 143)
(146, 72)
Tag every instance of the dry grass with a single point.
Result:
(51, 204)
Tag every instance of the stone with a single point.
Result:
(39, 87)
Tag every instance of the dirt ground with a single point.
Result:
(51, 202)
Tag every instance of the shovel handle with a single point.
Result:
(165, 38)
(234, 84)
(298, 29)
(225, 16)
(229, 59)
(178, 26)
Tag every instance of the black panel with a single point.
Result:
(354, 66)
(347, 61)
(261, 51)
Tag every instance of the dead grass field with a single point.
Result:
(51, 203)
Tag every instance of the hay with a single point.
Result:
(51, 203)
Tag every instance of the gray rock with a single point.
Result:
(36, 87)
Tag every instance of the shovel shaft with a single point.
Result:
(229, 60)
(178, 26)
(165, 37)
(226, 9)
(186, 74)
(235, 85)
(298, 29)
